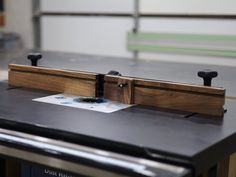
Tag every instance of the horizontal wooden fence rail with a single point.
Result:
(129, 90)
(56, 80)
(162, 94)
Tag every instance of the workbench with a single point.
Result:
(193, 142)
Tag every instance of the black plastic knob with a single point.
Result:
(207, 76)
(114, 73)
(34, 57)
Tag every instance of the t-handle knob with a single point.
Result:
(114, 73)
(207, 76)
(34, 57)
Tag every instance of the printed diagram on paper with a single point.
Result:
(105, 106)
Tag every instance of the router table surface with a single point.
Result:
(195, 141)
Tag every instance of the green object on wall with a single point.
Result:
(194, 44)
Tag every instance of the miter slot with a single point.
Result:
(190, 115)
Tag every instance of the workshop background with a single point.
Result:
(100, 27)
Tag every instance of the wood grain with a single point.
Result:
(231, 97)
(223, 167)
(232, 166)
(183, 101)
(179, 86)
(51, 71)
(227, 167)
(170, 95)
(121, 91)
(62, 81)
(129, 90)
(172, 85)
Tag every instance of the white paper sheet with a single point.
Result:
(69, 100)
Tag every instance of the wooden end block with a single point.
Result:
(119, 89)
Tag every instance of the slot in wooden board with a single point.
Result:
(170, 95)
(62, 81)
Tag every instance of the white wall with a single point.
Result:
(188, 6)
(99, 35)
(88, 35)
(107, 35)
(98, 6)
(19, 20)
(198, 26)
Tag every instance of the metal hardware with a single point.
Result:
(129, 165)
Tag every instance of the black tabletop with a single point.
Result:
(165, 134)
(197, 141)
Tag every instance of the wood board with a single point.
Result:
(128, 90)
(56, 80)
(169, 95)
